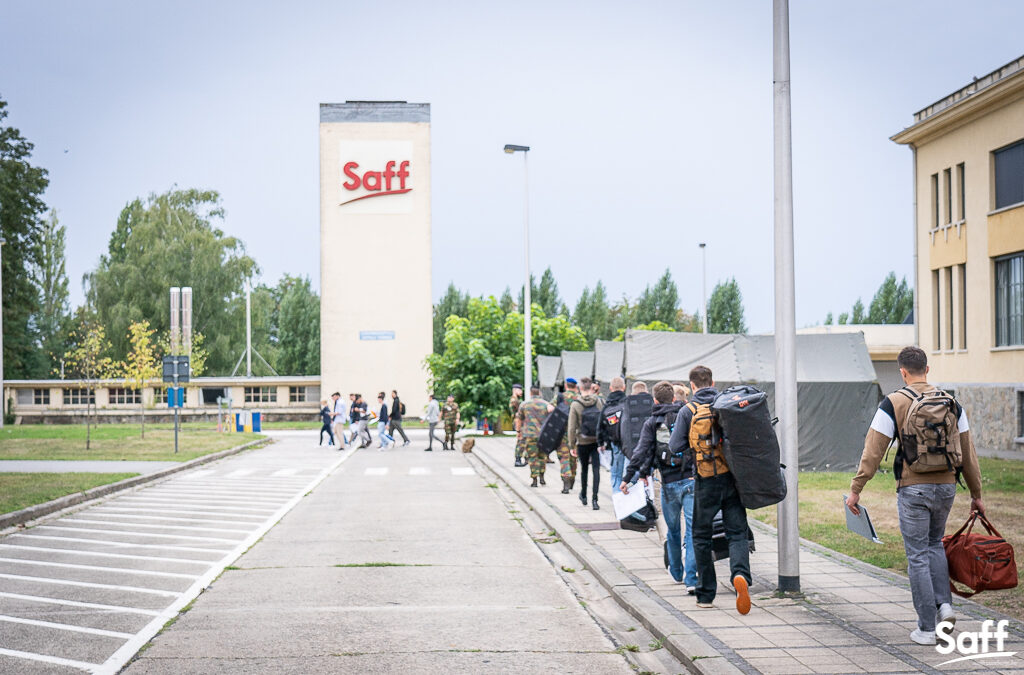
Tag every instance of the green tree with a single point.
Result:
(858, 315)
(844, 318)
(551, 334)
(654, 325)
(49, 276)
(298, 329)
(892, 302)
(170, 240)
(828, 319)
(507, 303)
(593, 314)
(454, 302)
(140, 367)
(21, 207)
(88, 361)
(725, 309)
(658, 303)
(545, 294)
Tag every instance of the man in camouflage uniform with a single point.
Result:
(567, 463)
(513, 410)
(450, 417)
(530, 418)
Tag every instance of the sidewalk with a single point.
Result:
(852, 617)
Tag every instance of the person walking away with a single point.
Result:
(608, 432)
(361, 413)
(339, 415)
(682, 396)
(566, 461)
(715, 490)
(513, 411)
(531, 416)
(451, 417)
(353, 419)
(640, 387)
(652, 452)
(584, 418)
(921, 416)
(383, 438)
(431, 415)
(325, 417)
(396, 416)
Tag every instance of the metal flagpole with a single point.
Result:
(527, 300)
(704, 284)
(785, 300)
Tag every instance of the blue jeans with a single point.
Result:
(671, 507)
(690, 578)
(618, 465)
(923, 510)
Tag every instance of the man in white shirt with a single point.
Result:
(339, 416)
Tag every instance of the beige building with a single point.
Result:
(969, 248)
(376, 316)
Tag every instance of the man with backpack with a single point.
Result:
(584, 418)
(530, 418)
(513, 410)
(653, 452)
(935, 448)
(566, 461)
(697, 432)
(609, 431)
(395, 419)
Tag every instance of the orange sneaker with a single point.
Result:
(742, 594)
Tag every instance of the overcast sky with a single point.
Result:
(650, 123)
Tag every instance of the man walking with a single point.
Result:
(924, 490)
(383, 438)
(360, 417)
(338, 418)
(566, 460)
(530, 418)
(395, 418)
(609, 432)
(451, 417)
(513, 411)
(431, 416)
(584, 418)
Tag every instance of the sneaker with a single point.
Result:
(922, 638)
(405, 444)
(743, 596)
(691, 590)
(664, 555)
(705, 605)
(946, 613)
(428, 449)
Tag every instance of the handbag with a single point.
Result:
(982, 562)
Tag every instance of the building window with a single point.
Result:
(296, 394)
(125, 396)
(963, 306)
(935, 201)
(948, 306)
(936, 325)
(1008, 164)
(41, 396)
(261, 394)
(160, 394)
(79, 396)
(1010, 300)
(961, 181)
(947, 184)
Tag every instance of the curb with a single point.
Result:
(46, 508)
(690, 649)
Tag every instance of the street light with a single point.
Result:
(704, 284)
(3, 394)
(527, 328)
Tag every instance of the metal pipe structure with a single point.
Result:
(527, 299)
(785, 302)
(704, 284)
(248, 331)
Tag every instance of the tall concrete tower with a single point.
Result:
(376, 318)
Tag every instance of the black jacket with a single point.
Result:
(396, 410)
(604, 433)
(643, 460)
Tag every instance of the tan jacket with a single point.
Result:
(884, 427)
(576, 438)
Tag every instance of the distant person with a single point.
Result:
(384, 439)
(566, 460)
(339, 416)
(682, 393)
(924, 490)
(682, 396)
(325, 417)
(353, 419)
(609, 433)
(360, 412)
(431, 415)
(513, 410)
(584, 419)
(531, 416)
(396, 416)
(639, 387)
(451, 417)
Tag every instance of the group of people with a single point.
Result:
(677, 452)
(359, 416)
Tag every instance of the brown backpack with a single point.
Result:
(706, 441)
(929, 437)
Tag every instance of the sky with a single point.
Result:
(650, 125)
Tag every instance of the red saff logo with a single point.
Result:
(377, 183)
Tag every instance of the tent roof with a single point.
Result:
(547, 370)
(608, 359)
(577, 365)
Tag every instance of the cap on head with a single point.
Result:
(571, 380)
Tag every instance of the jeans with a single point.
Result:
(923, 510)
(397, 424)
(431, 437)
(672, 506)
(330, 434)
(618, 466)
(711, 495)
(382, 436)
(690, 578)
(588, 456)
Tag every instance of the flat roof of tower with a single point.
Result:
(374, 111)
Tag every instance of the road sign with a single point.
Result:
(175, 397)
(176, 369)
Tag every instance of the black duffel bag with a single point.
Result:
(750, 446)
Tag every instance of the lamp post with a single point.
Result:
(3, 393)
(527, 327)
(704, 284)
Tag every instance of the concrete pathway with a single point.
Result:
(81, 466)
(853, 618)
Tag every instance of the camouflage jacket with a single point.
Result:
(513, 405)
(531, 417)
(449, 412)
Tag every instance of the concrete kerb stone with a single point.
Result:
(10, 521)
(691, 650)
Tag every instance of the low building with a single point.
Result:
(968, 164)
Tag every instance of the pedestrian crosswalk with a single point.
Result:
(419, 471)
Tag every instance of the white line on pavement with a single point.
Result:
(123, 544)
(65, 626)
(111, 513)
(205, 504)
(90, 521)
(463, 471)
(239, 473)
(123, 556)
(252, 496)
(376, 471)
(75, 603)
(100, 568)
(54, 660)
(89, 584)
(285, 472)
(137, 534)
(194, 475)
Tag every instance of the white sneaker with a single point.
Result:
(923, 638)
(946, 613)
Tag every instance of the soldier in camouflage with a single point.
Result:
(513, 410)
(567, 463)
(530, 418)
(451, 418)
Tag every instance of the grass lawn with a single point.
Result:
(20, 490)
(823, 521)
(115, 441)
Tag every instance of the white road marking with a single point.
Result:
(123, 544)
(54, 660)
(100, 568)
(89, 584)
(463, 471)
(239, 473)
(419, 471)
(65, 626)
(123, 556)
(75, 603)
(285, 472)
(137, 534)
(90, 521)
(196, 475)
(108, 513)
(206, 504)
(222, 494)
(376, 471)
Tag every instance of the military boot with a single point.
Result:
(542, 480)
(565, 486)
(534, 483)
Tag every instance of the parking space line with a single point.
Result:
(76, 603)
(107, 514)
(99, 568)
(66, 626)
(90, 521)
(138, 534)
(123, 544)
(123, 556)
(89, 584)
(128, 509)
(53, 660)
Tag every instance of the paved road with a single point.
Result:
(399, 561)
(81, 466)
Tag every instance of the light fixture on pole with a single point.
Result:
(527, 300)
(704, 284)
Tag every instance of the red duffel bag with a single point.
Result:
(982, 562)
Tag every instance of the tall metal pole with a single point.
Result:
(527, 300)
(704, 284)
(248, 331)
(785, 301)
(3, 393)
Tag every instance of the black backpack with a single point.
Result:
(611, 418)
(401, 407)
(638, 408)
(589, 421)
(552, 432)
(662, 453)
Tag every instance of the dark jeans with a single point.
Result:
(397, 424)
(588, 456)
(714, 494)
(330, 434)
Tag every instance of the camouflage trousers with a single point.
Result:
(520, 446)
(536, 458)
(567, 463)
(449, 434)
